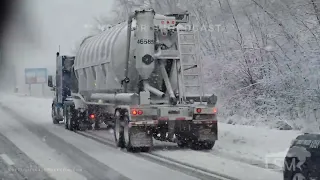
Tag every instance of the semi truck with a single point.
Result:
(142, 77)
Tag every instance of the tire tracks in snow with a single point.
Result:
(186, 168)
(81, 158)
(89, 167)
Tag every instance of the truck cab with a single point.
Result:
(61, 84)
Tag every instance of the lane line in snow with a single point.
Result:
(84, 165)
(48, 161)
(6, 159)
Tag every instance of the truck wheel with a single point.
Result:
(53, 115)
(201, 145)
(182, 141)
(55, 121)
(70, 118)
(118, 130)
(145, 149)
(126, 134)
(65, 112)
(208, 145)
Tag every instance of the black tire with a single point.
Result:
(208, 145)
(97, 126)
(200, 145)
(126, 135)
(70, 118)
(145, 149)
(65, 112)
(182, 141)
(118, 130)
(55, 121)
(53, 115)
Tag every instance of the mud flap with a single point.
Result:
(171, 129)
(205, 133)
(139, 137)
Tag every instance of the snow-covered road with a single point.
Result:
(67, 155)
(240, 152)
(12, 159)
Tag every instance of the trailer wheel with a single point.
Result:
(70, 118)
(208, 145)
(182, 141)
(145, 149)
(65, 112)
(126, 134)
(118, 130)
(202, 145)
(53, 115)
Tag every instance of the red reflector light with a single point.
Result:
(92, 116)
(134, 112)
(168, 22)
(215, 110)
(199, 110)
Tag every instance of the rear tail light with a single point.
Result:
(199, 110)
(92, 116)
(136, 112)
(173, 22)
(215, 110)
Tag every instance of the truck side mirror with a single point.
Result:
(50, 83)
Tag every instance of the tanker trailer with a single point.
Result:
(143, 77)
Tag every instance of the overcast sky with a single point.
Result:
(63, 21)
(51, 23)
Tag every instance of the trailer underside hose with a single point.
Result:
(173, 99)
(128, 48)
(153, 90)
(131, 98)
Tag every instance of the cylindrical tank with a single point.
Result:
(145, 43)
(101, 60)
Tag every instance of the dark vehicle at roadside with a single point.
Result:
(302, 161)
